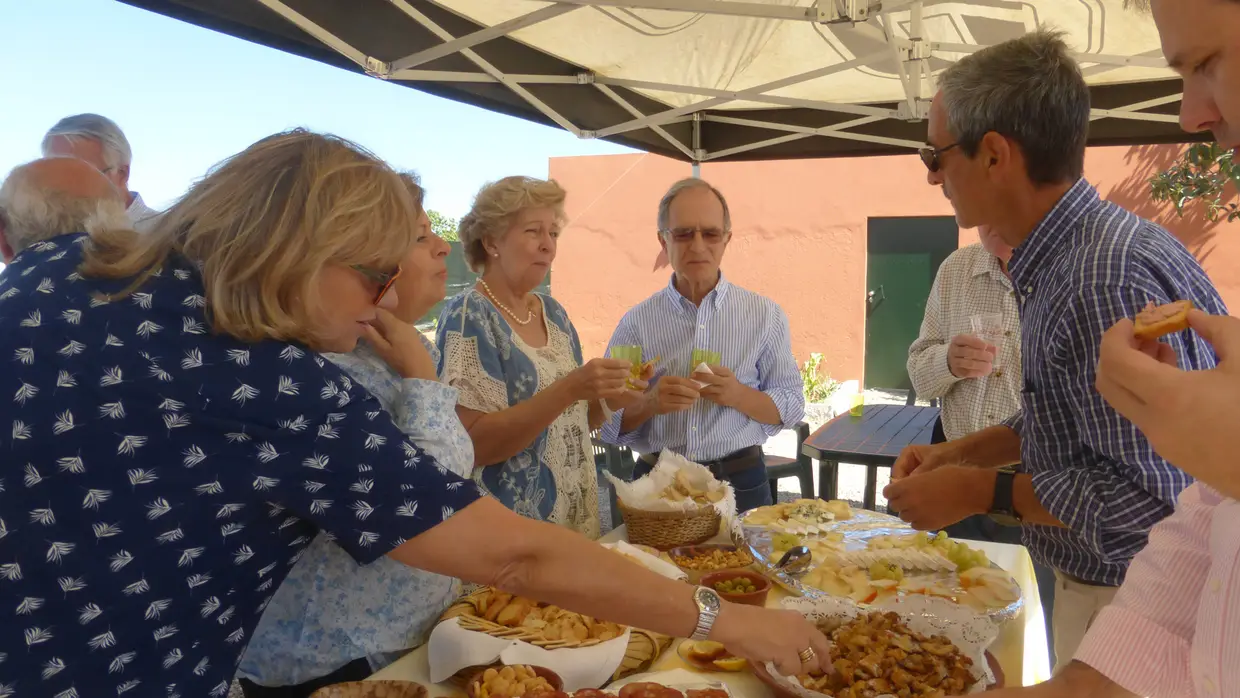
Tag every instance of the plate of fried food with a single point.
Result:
(901, 651)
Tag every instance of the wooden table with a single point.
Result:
(1021, 647)
(874, 440)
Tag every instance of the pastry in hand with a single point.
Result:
(1159, 320)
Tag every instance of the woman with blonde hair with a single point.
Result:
(175, 442)
(526, 398)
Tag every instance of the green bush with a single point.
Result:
(817, 386)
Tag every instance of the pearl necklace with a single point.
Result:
(503, 307)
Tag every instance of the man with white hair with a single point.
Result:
(752, 390)
(47, 198)
(99, 141)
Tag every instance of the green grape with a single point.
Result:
(882, 570)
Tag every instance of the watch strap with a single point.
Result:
(1003, 504)
(709, 605)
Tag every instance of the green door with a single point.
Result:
(460, 278)
(903, 256)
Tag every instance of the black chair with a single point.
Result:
(801, 467)
(617, 460)
(912, 399)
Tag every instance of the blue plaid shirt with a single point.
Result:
(1088, 264)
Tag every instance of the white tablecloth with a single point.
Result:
(1021, 648)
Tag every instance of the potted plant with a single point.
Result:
(819, 388)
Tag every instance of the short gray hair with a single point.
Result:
(665, 204)
(32, 214)
(116, 150)
(1030, 90)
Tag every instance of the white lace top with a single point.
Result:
(492, 368)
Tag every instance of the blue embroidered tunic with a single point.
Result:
(331, 610)
(553, 479)
(159, 481)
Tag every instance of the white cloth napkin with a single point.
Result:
(674, 678)
(702, 368)
(452, 648)
(646, 493)
(648, 561)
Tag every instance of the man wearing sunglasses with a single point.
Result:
(1007, 137)
(753, 390)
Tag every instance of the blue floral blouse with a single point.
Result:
(331, 610)
(158, 481)
(553, 479)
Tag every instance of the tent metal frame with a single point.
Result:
(912, 60)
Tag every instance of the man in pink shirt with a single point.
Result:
(1174, 627)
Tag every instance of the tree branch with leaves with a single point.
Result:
(1201, 174)
(443, 226)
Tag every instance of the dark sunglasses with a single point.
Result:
(930, 155)
(383, 278)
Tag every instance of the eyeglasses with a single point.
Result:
(383, 278)
(930, 156)
(710, 236)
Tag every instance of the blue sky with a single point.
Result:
(188, 97)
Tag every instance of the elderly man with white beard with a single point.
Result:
(46, 198)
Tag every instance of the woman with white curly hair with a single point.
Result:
(526, 398)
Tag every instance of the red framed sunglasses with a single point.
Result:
(384, 279)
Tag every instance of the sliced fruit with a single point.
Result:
(731, 664)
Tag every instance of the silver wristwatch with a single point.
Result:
(708, 604)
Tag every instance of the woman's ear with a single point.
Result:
(6, 250)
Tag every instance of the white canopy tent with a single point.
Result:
(712, 79)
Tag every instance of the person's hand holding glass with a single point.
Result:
(976, 355)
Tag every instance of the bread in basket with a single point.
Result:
(500, 614)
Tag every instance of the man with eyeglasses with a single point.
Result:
(98, 141)
(1007, 137)
(753, 389)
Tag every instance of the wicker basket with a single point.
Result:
(372, 689)
(670, 529)
(643, 649)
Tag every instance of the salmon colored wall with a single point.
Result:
(800, 235)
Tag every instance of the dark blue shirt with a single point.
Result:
(1087, 265)
(157, 481)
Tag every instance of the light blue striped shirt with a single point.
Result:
(750, 333)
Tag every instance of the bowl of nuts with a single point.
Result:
(699, 560)
(517, 681)
(739, 586)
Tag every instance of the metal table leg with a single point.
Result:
(828, 479)
(871, 487)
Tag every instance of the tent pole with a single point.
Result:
(697, 144)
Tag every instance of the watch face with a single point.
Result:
(1004, 519)
(707, 599)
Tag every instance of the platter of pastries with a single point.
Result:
(877, 654)
(496, 613)
(501, 614)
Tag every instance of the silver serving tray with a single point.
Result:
(857, 531)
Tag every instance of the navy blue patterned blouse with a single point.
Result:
(157, 482)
